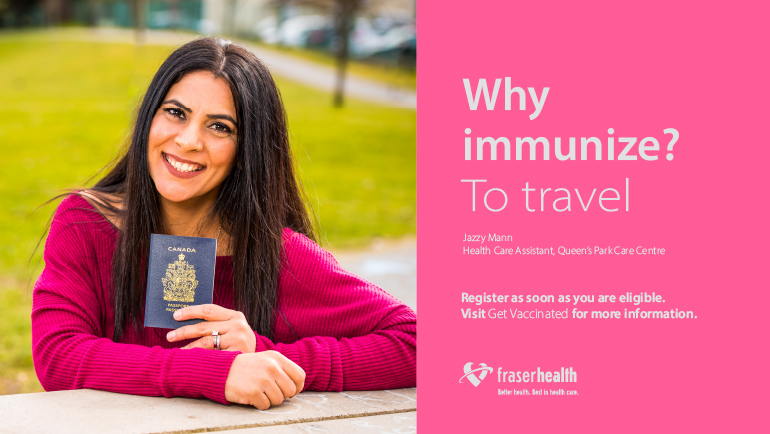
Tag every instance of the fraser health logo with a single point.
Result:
(470, 373)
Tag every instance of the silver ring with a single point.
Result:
(216, 339)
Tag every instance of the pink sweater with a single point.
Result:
(351, 334)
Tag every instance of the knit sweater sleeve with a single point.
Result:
(69, 346)
(352, 334)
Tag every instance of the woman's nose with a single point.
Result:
(189, 139)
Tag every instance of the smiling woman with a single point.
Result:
(206, 135)
(210, 157)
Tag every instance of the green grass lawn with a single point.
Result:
(65, 108)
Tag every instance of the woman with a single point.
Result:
(210, 157)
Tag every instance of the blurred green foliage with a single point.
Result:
(66, 108)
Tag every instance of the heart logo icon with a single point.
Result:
(470, 373)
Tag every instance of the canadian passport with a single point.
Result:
(181, 274)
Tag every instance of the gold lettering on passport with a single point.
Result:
(179, 283)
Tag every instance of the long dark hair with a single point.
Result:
(258, 199)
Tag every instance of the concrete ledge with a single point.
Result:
(93, 411)
(397, 423)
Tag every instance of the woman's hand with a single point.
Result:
(235, 333)
(263, 379)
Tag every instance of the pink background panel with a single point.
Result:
(638, 68)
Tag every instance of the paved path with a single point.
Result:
(295, 69)
(391, 265)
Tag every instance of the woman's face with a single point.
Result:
(193, 138)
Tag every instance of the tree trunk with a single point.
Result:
(174, 14)
(140, 20)
(229, 17)
(53, 10)
(280, 17)
(343, 22)
(93, 13)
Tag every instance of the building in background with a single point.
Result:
(383, 30)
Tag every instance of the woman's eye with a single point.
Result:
(222, 128)
(175, 112)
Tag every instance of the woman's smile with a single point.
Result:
(182, 168)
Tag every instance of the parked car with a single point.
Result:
(397, 38)
(293, 32)
(367, 38)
